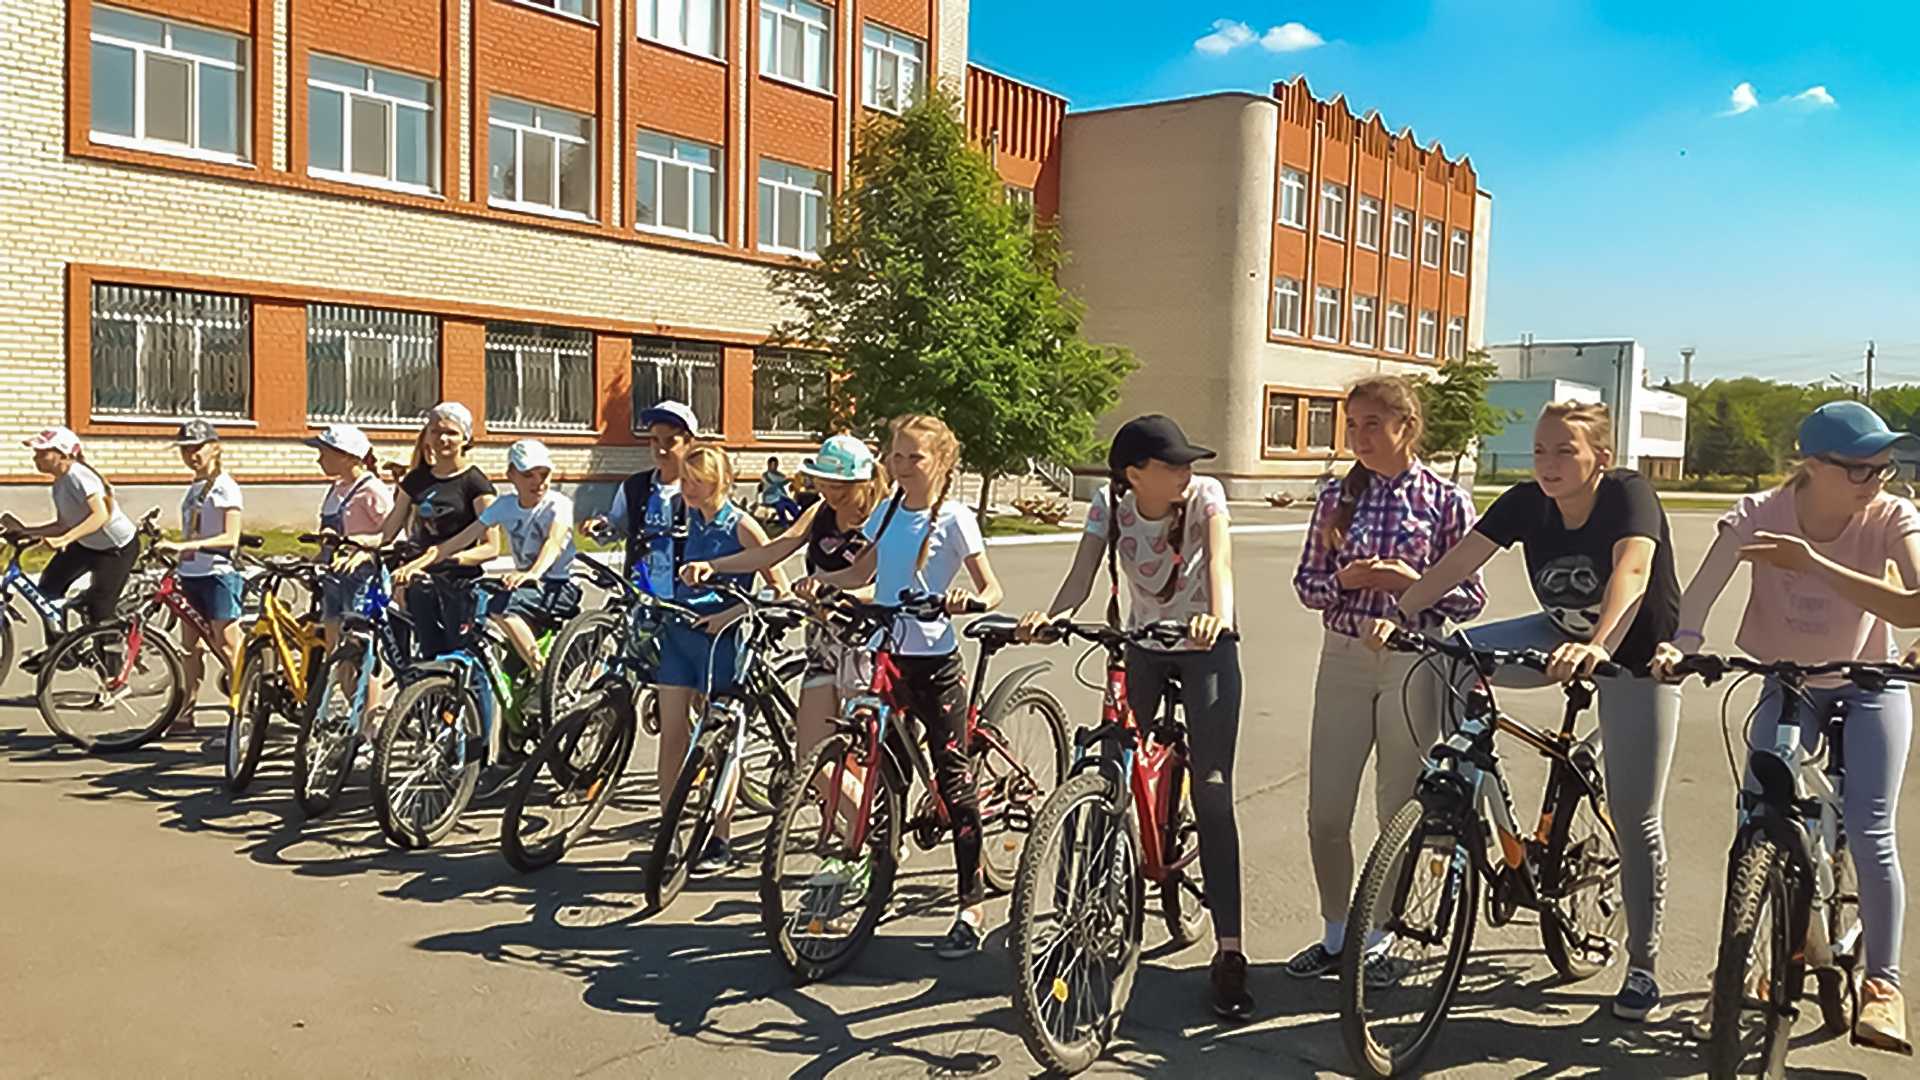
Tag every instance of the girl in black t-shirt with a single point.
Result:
(438, 498)
(1600, 559)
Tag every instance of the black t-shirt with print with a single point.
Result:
(1570, 568)
(443, 507)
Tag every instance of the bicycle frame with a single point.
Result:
(1145, 758)
(298, 643)
(52, 612)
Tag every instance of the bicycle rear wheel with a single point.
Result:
(1019, 758)
(1183, 894)
(428, 761)
(323, 751)
(1414, 911)
(686, 822)
(582, 652)
(106, 689)
(1748, 1010)
(1584, 931)
(1078, 910)
(545, 817)
(262, 684)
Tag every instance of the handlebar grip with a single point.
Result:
(974, 606)
(252, 540)
(318, 538)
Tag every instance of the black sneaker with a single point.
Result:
(716, 859)
(1314, 961)
(961, 942)
(1229, 977)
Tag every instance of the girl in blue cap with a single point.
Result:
(1820, 545)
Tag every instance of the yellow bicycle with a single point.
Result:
(278, 651)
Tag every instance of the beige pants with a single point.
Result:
(1363, 706)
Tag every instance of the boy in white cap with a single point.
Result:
(648, 512)
(89, 534)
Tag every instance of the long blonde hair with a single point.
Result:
(710, 464)
(1397, 395)
(944, 448)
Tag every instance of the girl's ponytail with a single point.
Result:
(1116, 489)
(80, 458)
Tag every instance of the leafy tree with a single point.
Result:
(1733, 441)
(935, 295)
(1457, 413)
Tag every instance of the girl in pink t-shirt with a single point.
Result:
(1812, 543)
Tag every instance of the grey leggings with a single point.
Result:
(1210, 691)
(1879, 732)
(1639, 719)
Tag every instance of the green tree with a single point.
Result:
(1458, 414)
(1732, 441)
(935, 295)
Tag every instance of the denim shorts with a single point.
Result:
(342, 593)
(214, 596)
(687, 654)
(544, 605)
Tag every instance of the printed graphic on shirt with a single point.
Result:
(1571, 590)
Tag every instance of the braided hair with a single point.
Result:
(1117, 487)
(1395, 394)
(944, 448)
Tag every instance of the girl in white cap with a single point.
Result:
(209, 530)
(88, 534)
(355, 506)
(440, 497)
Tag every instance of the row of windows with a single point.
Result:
(1366, 223)
(166, 353)
(1289, 316)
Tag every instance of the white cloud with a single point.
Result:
(1814, 97)
(1743, 100)
(1291, 37)
(1227, 36)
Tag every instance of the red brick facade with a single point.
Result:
(1019, 127)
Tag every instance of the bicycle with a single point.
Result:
(1419, 892)
(1792, 902)
(1123, 818)
(842, 873)
(278, 653)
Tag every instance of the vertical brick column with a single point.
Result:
(613, 385)
(280, 367)
(463, 367)
(736, 395)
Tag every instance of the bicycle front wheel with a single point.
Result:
(582, 653)
(428, 761)
(323, 750)
(1078, 911)
(1583, 930)
(1408, 935)
(262, 684)
(557, 798)
(1748, 1009)
(1019, 758)
(107, 688)
(686, 823)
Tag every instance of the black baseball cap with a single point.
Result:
(1154, 437)
(195, 433)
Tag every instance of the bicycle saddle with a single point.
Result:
(992, 628)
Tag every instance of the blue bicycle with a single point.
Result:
(52, 610)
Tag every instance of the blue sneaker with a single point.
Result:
(1639, 999)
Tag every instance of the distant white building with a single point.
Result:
(1650, 426)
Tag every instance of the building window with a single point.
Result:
(170, 353)
(1283, 421)
(667, 370)
(366, 365)
(1287, 307)
(1333, 210)
(693, 25)
(796, 42)
(1456, 338)
(1429, 333)
(1397, 328)
(1365, 316)
(793, 209)
(1457, 256)
(579, 9)
(1402, 234)
(1326, 314)
(539, 159)
(677, 187)
(370, 126)
(1366, 226)
(166, 86)
(1021, 198)
(1293, 198)
(539, 377)
(1320, 423)
(891, 68)
(1430, 242)
(789, 392)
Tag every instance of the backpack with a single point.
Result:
(638, 491)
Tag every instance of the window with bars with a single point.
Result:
(668, 370)
(170, 353)
(539, 377)
(789, 390)
(370, 365)
(167, 86)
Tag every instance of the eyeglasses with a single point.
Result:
(1865, 473)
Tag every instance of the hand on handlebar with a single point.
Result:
(1379, 634)
(57, 542)
(1666, 659)
(1034, 626)
(1576, 660)
(962, 602)
(696, 573)
(1205, 630)
(405, 574)
(515, 579)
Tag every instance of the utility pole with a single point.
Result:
(1869, 386)
(1686, 365)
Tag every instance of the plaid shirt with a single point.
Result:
(1416, 517)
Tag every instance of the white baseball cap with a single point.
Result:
(345, 438)
(56, 438)
(527, 455)
(454, 411)
(678, 413)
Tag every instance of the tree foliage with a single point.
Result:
(1748, 426)
(1456, 409)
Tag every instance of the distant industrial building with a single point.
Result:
(1650, 425)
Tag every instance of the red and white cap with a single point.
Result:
(56, 438)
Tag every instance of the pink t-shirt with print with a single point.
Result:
(1798, 617)
(1147, 560)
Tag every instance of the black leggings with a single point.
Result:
(933, 689)
(110, 570)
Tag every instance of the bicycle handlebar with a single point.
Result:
(1168, 633)
(1487, 660)
(1711, 669)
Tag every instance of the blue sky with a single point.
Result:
(1637, 190)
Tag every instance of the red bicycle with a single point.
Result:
(1123, 819)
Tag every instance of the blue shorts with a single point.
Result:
(544, 605)
(342, 594)
(686, 654)
(214, 596)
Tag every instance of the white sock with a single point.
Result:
(1334, 938)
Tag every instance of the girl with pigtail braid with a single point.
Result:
(1165, 531)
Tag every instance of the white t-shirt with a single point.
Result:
(1146, 558)
(201, 514)
(528, 529)
(70, 495)
(956, 536)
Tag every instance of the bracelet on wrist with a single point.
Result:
(1689, 635)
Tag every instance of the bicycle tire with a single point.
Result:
(323, 749)
(250, 713)
(571, 669)
(1596, 872)
(75, 653)
(686, 822)
(590, 786)
(1081, 799)
(8, 644)
(882, 847)
(1843, 912)
(767, 760)
(1184, 914)
(435, 693)
(1382, 872)
(1757, 886)
(1005, 789)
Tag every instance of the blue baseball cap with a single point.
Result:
(842, 457)
(1850, 431)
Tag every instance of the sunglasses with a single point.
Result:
(1866, 473)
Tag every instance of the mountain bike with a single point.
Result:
(827, 871)
(1123, 818)
(1792, 901)
(1418, 896)
(278, 653)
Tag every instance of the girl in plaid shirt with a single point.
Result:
(1372, 537)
